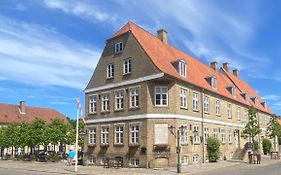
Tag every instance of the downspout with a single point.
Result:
(202, 124)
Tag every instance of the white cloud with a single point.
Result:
(39, 56)
(272, 97)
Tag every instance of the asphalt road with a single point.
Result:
(272, 169)
(15, 171)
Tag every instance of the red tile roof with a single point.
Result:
(279, 121)
(10, 113)
(163, 55)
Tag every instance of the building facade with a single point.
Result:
(142, 87)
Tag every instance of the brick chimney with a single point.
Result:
(225, 66)
(235, 72)
(22, 107)
(214, 65)
(162, 34)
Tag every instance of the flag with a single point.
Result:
(79, 108)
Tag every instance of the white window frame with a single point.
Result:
(127, 66)
(229, 111)
(92, 136)
(206, 134)
(134, 97)
(222, 135)
(184, 135)
(183, 98)
(134, 133)
(233, 91)
(134, 162)
(195, 101)
(104, 135)
(238, 113)
(184, 160)
(246, 117)
(161, 93)
(93, 104)
(218, 107)
(118, 47)
(119, 100)
(105, 102)
(214, 82)
(216, 132)
(196, 137)
(161, 136)
(182, 68)
(110, 71)
(229, 136)
(206, 104)
(195, 159)
(119, 134)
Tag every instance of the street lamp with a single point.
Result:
(176, 132)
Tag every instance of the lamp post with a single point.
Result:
(176, 132)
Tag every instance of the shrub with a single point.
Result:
(266, 145)
(213, 148)
(20, 157)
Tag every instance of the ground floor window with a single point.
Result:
(195, 159)
(184, 160)
(104, 161)
(134, 162)
(91, 160)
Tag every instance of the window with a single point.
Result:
(110, 71)
(229, 110)
(218, 108)
(222, 136)
(104, 134)
(160, 134)
(161, 96)
(92, 136)
(134, 162)
(195, 159)
(245, 96)
(245, 115)
(105, 102)
(195, 98)
(103, 160)
(255, 100)
(119, 133)
(118, 47)
(233, 91)
(229, 136)
(134, 97)
(127, 67)
(184, 160)
(206, 134)
(214, 82)
(119, 100)
(196, 138)
(184, 136)
(134, 133)
(206, 104)
(238, 113)
(183, 98)
(93, 104)
(216, 131)
(182, 68)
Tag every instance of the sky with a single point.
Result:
(50, 48)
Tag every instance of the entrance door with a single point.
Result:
(237, 139)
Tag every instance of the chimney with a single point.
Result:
(235, 72)
(214, 65)
(226, 66)
(162, 34)
(22, 107)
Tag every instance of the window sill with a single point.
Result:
(230, 143)
(109, 78)
(218, 115)
(104, 145)
(105, 112)
(185, 108)
(196, 143)
(208, 113)
(184, 144)
(119, 110)
(125, 74)
(161, 106)
(195, 110)
(117, 53)
(92, 113)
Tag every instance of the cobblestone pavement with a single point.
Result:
(8, 167)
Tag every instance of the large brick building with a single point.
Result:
(142, 86)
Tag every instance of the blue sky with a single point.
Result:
(49, 48)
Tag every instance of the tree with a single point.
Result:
(266, 144)
(252, 128)
(273, 129)
(213, 149)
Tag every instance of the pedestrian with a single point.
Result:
(71, 156)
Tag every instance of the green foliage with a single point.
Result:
(213, 149)
(267, 145)
(256, 145)
(273, 128)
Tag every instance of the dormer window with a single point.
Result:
(212, 80)
(245, 96)
(255, 100)
(182, 68)
(118, 47)
(232, 90)
(264, 104)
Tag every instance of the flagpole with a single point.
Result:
(76, 142)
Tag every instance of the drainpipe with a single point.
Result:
(202, 124)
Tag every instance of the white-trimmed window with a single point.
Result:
(134, 162)
(182, 68)
(206, 104)
(245, 115)
(92, 136)
(206, 134)
(127, 66)
(195, 101)
(183, 98)
(161, 96)
(214, 82)
(134, 133)
(134, 97)
(184, 136)
(184, 160)
(229, 136)
(238, 113)
(216, 132)
(196, 137)
(119, 134)
(195, 159)
(104, 134)
(218, 108)
(229, 110)
(93, 104)
(222, 136)
(105, 102)
(103, 160)
(233, 91)
(118, 47)
(110, 71)
(160, 134)
(119, 100)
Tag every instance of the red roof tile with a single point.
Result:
(163, 55)
(10, 113)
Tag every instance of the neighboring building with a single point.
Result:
(142, 86)
(10, 113)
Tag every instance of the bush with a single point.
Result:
(20, 157)
(256, 146)
(266, 145)
(213, 148)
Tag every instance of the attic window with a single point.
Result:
(264, 105)
(212, 80)
(245, 96)
(118, 47)
(232, 90)
(255, 100)
(182, 68)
